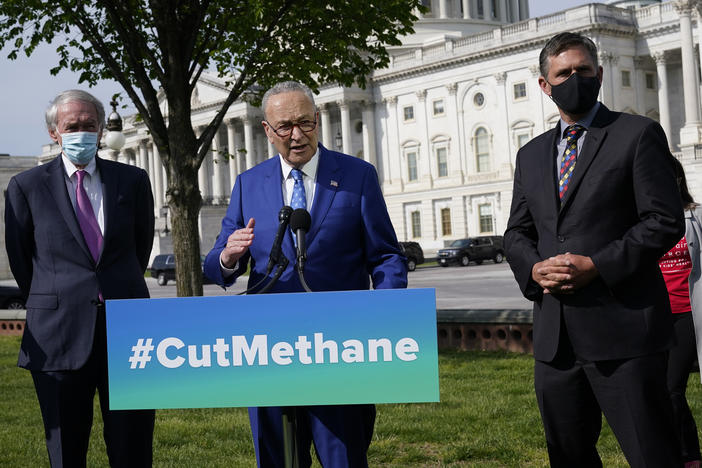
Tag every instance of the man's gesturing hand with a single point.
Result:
(238, 243)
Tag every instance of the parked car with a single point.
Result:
(163, 269)
(473, 249)
(414, 253)
(11, 297)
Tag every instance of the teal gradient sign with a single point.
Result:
(300, 349)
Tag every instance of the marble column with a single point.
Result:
(368, 118)
(690, 133)
(218, 195)
(158, 180)
(466, 9)
(249, 143)
(202, 177)
(345, 127)
(327, 139)
(663, 102)
(151, 166)
(143, 156)
(456, 154)
(443, 8)
(523, 9)
(502, 10)
(515, 11)
(392, 171)
(233, 154)
(639, 84)
(487, 9)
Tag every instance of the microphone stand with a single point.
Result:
(289, 412)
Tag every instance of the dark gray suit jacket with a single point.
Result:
(53, 266)
(622, 209)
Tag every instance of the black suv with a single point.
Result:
(473, 249)
(414, 253)
(163, 269)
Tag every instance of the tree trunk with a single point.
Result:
(184, 200)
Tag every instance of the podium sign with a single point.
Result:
(299, 349)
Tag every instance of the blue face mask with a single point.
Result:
(79, 147)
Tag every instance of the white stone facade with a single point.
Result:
(443, 122)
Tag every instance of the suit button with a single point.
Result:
(561, 239)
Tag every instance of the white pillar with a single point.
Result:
(368, 118)
(523, 9)
(151, 166)
(466, 9)
(487, 10)
(443, 9)
(249, 143)
(143, 156)
(218, 195)
(158, 180)
(233, 155)
(502, 7)
(515, 10)
(392, 171)
(327, 139)
(345, 127)
(691, 99)
(639, 84)
(663, 103)
(202, 172)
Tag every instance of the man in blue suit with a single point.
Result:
(79, 230)
(350, 243)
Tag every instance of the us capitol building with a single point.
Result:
(443, 122)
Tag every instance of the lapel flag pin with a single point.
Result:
(334, 183)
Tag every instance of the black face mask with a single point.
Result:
(577, 94)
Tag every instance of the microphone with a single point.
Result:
(283, 220)
(300, 222)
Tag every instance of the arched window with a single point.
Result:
(482, 150)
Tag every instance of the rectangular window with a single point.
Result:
(485, 211)
(446, 221)
(442, 162)
(519, 91)
(650, 80)
(626, 79)
(412, 165)
(408, 113)
(438, 107)
(416, 225)
(522, 139)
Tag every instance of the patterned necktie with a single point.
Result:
(299, 199)
(86, 219)
(570, 155)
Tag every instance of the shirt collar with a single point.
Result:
(72, 169)
(586, 121)
(309, 169)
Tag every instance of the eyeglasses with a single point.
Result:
(285, 130)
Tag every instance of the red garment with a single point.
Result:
(676, 266)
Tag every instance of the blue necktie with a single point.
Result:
(299, 199)
(572, 133)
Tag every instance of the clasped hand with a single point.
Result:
(564, 273)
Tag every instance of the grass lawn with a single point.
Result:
(487, 418)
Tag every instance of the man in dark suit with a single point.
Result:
(594, 206)
(350, 242)
(79, 230)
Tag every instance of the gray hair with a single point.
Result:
(67, 96)
(565, 41)
(287, 87)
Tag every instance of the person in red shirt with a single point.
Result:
(676, 266)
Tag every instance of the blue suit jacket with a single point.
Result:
(53, 266)
(351, 239)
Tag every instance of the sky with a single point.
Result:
(27, 87)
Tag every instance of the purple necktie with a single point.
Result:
(86, 219)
